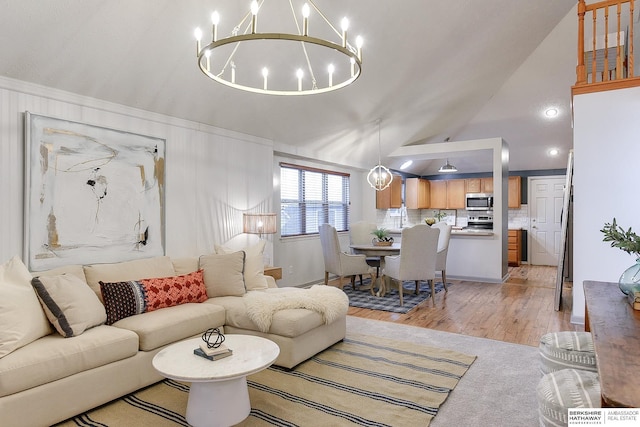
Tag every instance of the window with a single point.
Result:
(310, 197)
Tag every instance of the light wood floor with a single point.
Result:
(518, 311)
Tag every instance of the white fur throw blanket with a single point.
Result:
(332, 303)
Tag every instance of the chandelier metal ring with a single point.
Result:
(203, 61)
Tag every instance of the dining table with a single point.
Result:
(377, 251)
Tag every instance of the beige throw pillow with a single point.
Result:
(253, 265)
(69, 303)
(22, 319)
(223, 274)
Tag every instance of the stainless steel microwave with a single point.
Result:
(479, 201)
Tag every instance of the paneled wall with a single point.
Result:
(212, 174)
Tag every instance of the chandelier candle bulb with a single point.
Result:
(299, 74)
(331, 70)
(254, 17)
(265, 73)
(207, 54)
(197, 33)
(359, 43)
(353, 67)
(345, 27)
(233, 73)
(305, 20)
(215, 20)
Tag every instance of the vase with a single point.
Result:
(630, 278)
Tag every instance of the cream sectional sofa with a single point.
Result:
(53, 378)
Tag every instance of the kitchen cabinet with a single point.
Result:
(456, 194)
(479, 185)
(514, 254)
(514, 195)
(438, 194)
(417, 193)
(390, 197)
(447, 194)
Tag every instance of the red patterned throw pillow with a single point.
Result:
(124, 299)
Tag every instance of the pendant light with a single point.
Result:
(447, 167)
(379, 177)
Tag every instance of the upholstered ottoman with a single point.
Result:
(567, 350)
(560, 390)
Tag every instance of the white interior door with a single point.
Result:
(546, 200)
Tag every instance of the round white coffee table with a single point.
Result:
(219, 395)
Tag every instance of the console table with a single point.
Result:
(615, 327)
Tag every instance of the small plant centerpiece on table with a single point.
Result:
(629, 242)
(382, 237)
(435, 218)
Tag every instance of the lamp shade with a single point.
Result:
(261, 223)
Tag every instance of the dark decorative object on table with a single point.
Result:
(629, 242)
(213, 341)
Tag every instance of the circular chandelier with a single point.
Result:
(235, 60)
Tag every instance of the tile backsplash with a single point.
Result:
(398, 218)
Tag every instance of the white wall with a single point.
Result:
(212, 175)
(607, 153)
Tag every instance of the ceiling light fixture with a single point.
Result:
(379, 177)
(551, 112)
(554, 152)
(406, 164)
(248, 48)
(448, 167)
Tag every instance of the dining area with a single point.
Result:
(420, 256)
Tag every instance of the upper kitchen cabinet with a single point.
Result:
(390, 197)
(479, 185)
(417, 193)
(447, 194)
(514, 192)
(456, 192)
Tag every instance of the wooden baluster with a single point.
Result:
(581, 71)
(605, 64)
(594, 70)
(630, 72)
(619, 68)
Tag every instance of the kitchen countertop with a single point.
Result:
(454, 232)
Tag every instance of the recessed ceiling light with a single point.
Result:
(551, 112)
(554, 152)
(406, 164)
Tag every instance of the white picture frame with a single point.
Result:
(92, 194)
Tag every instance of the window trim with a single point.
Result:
(346, 205)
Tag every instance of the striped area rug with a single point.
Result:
(362, 380)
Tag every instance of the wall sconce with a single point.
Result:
(260, 223)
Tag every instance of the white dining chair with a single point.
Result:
(341, 263)
(417, 259)
(360, 234)
(443, 250)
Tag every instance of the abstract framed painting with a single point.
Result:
(92, 194)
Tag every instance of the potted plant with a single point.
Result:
(629, 242)
(382, 237)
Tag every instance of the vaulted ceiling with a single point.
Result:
(432, 69)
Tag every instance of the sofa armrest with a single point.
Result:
(271, 282)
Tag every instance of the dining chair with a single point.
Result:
(417, 259)
(360, 234)
(443, 249)
(341, 263)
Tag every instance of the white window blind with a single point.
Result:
(310, 197)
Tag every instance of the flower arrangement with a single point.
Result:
(382, 237)
(620, 238)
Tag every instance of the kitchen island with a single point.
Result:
(475, 255)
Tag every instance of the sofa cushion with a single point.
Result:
(223, 274)
(53, 357)
(123, 299)
(253, 273)
(288, 322)
(128, 270)
(185, 265)
(70, 305)
(22, 319)
(168, 325)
